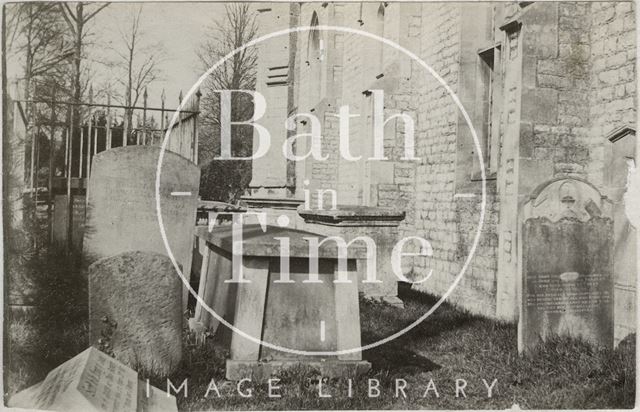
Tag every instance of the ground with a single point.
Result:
(450, 345)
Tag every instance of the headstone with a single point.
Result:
(566, 264)
(60, 218)
(625, 267)
(122, 204)
(135, 310)
(93, 381)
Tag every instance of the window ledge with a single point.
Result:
(477, 177)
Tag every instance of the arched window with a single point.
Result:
(313, 51)
(314, 60)
(381, 13)
(379, 30)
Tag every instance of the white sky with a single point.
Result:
(178, 27)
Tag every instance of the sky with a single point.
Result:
(178, 27)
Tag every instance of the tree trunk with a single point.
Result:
(5, 192)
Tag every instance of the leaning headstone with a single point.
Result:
(135, 310)
(566, 264)
(93, 381)
(122, 212)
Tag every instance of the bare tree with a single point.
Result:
(226, 180)
(39, 38)
(38, 42)
(137, 62)
(77, 23)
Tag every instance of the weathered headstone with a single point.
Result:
(93, 381)
(566, 263)
(135, 310)
(122, 212)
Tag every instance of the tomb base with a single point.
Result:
(277, 304)
(261, 371)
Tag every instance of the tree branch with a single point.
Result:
(98, 10)
(68, 17)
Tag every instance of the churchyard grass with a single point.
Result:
(450, 345)
(51, 332)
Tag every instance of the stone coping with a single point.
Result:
(620, 132)
(346, 215)
(220, 207)
(257, 242)
(258, 202)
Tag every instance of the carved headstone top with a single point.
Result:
(567, 198)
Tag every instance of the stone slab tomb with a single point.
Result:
(135, 310)
(567, 266)
(378, 223)
(122, 213)
(93, 382)
(314, 317)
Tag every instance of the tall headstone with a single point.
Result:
(122, 212)
(135, 310)
(93, 382)
(621, 156)
(566, 264)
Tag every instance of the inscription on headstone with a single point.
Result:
(567, 265)
(135, 310)
(122, 204)
(93, 381)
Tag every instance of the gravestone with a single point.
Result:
(566, 264)
(93, 381)
(60, 218)
(122, 204)
(620, 157)
(135, 310)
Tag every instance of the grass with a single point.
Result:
(53, 330)
(450, 345)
